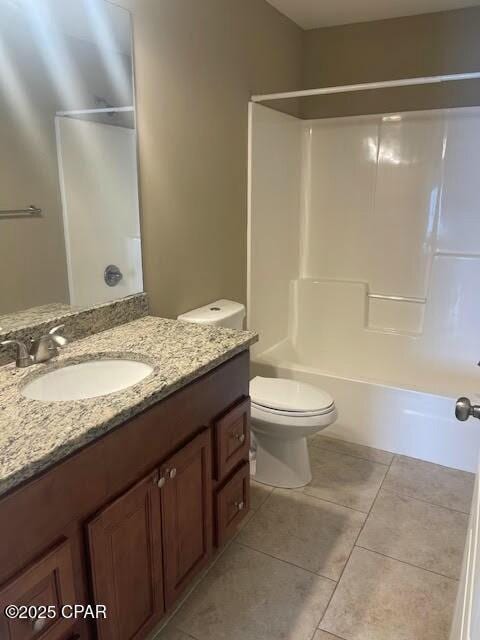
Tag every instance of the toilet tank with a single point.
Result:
(222, 313)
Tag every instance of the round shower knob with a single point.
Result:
(112, 275)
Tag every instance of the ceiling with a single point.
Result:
(310, 14)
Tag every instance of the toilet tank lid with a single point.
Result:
(288, 395)
(215, 312)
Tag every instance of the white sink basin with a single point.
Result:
(88, 379)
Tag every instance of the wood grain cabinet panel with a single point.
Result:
(125, 542)
(186, 499)
(232, 503)
(47, 582)
(232, 438)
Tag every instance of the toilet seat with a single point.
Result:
(292, 414)
(292, 423)
(282, 397)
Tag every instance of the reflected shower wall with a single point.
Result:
(98, 181)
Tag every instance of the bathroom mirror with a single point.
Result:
(69, 212)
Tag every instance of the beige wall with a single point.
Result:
(197, 63)
(425, 45)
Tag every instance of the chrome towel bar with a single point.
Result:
(31, 211)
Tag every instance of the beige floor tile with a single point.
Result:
(323, 635)
(248, 516)
(258, 494)
(308, 532)
(251, 596)
(382, 599)
(357, 450)
(431, 482)
(422, 534)
(170, 633)
(343, 479)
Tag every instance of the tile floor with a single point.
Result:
(370, 550)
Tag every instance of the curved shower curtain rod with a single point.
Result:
(348, 88)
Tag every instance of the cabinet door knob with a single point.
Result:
(240, 437)
(38, 624)
(172, 473)
(240, 505)
(161, 482)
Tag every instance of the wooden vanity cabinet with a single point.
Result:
(138, 512)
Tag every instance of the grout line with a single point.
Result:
(301, 492)
(337, 504)
(433, 504)
(409, 564)
(292, 564)
(313, 443)
(269, 555)
(354, 545)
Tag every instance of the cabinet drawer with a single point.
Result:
(48, 581)
(232, 439)
(232, 504)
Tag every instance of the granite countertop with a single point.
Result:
(34, 435)
(26, 317)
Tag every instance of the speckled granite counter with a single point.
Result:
(34, 435)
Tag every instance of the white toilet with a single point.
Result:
(284, 412)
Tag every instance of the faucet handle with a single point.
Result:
(55, 329)
(23, 358)
(58, 339)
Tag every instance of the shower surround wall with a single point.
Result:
(364, 266)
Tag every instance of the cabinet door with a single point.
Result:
(126, 562)
(186, 500)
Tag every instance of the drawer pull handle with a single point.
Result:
(240, 505)
(172, 473)
(239, 436)
(161, 482)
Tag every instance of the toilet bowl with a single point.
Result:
(284, 414)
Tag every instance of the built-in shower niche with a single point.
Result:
(395, 315)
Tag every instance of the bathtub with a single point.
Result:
(402, 419)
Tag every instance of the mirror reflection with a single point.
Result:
(69, 213)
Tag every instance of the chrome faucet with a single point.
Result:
(44, 348)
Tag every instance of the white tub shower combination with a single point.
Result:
(364, 267)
